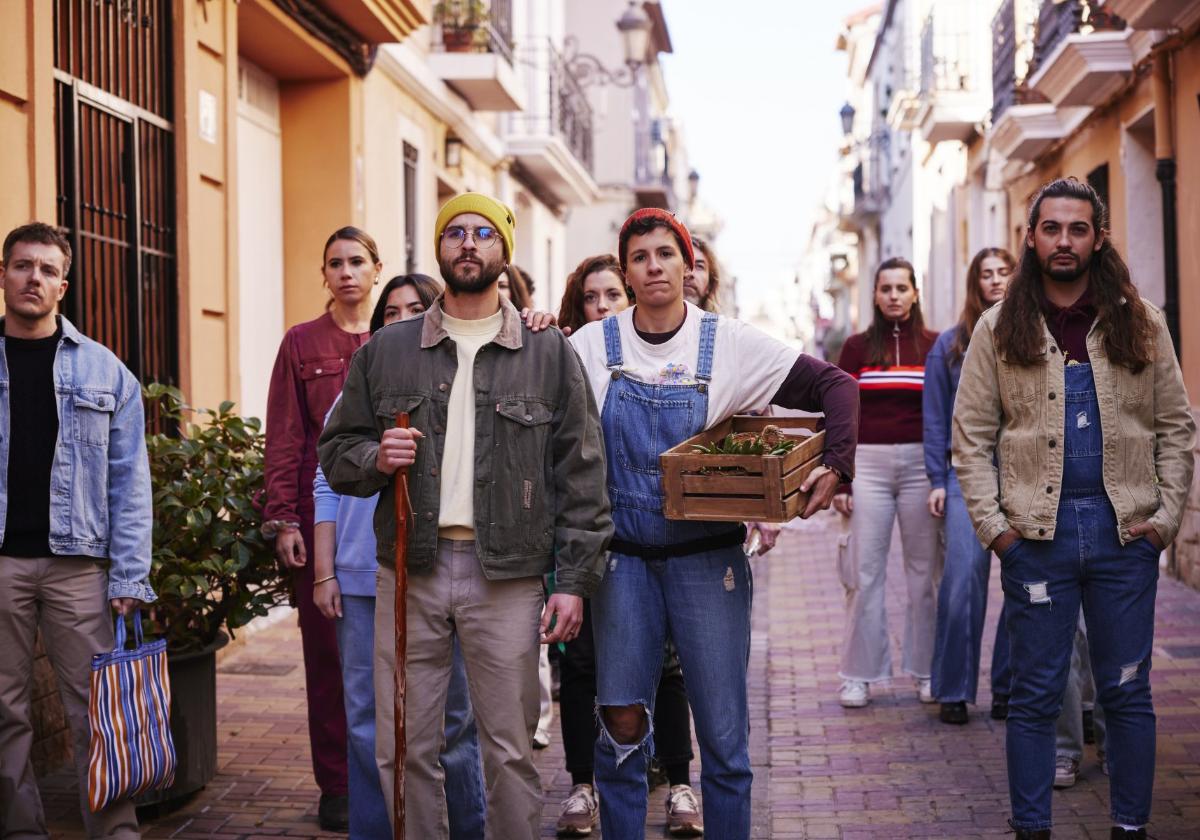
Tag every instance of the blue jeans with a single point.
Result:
(1001, 660)
(460, 757)
(961, 604)
(703, 601)
(356, 645)
(1044, 584)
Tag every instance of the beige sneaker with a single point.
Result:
(683, 813)
(580, 813)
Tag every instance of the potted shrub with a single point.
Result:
(212, 569)
(462, 22)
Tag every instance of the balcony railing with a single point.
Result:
(1058, 20)
(945, 50)
(870, 176)
(558, 105)
(1004, 58)
(486, 32)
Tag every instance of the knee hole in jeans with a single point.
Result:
(626, 724)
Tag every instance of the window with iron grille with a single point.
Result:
(116, 167)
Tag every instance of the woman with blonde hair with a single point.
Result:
(962, 597)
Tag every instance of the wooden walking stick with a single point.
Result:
(403, 516)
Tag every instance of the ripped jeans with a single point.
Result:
(703, 602)
(1045, 582)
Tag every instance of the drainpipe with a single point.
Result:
(1164, 151)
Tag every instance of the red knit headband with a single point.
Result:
(677, 226)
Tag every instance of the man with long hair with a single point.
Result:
(1073, 381)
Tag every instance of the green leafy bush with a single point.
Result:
(211, 566)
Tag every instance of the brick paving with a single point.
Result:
(888, 771)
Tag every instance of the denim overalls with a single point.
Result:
(1044, 584)
(702, 600)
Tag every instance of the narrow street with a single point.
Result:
(891, 770)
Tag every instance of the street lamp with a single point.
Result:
(634, 27)
(847, 115)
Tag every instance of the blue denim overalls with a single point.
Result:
(702, 600)
(1044, 584)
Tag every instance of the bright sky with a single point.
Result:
(758, 86)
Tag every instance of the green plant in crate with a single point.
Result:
(771, 442)
(211, 566)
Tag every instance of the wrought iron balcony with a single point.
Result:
(475, 56)
(1057, 20)
(872, 191)
(1004, 58)
(474, 29)
(553, 138)
(954, 77)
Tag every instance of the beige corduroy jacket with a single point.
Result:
(1014, 415)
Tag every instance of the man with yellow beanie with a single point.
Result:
(506, 470)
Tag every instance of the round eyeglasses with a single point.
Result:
(483, 237)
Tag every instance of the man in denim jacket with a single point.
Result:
(74, 515)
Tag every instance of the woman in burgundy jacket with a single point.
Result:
(309, 372)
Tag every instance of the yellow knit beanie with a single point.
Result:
(496, 212)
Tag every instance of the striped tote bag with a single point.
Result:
(131, 750)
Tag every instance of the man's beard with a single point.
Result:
(488, 274)
(1064, 274)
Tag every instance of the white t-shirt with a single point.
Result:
(748, 366)
(457, 511)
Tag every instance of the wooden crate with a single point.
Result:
(767, 491)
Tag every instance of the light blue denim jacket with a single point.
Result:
(100, 500)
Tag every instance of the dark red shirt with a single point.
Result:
(889, 394)
(1070, 325)
(310, 370)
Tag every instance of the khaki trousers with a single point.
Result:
(66, 598)
(497, 627)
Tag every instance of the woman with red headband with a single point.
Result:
(664, 370)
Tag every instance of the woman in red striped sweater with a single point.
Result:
(888, 360)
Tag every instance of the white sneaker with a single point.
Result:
(854, 694)
(580, 813)
(1066, 771)
(925, 690)
(541, 739)
(683, 813)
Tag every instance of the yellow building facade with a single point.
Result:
(1113, 99)
(124, 123)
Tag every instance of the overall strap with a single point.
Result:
(708, 339)
(612, 343)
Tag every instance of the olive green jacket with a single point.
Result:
(539, 455)
(1015, 415)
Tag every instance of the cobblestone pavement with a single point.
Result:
(888, 771)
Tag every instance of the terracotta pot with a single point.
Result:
(458, 40)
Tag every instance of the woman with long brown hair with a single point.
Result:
(310, 369)
(888, 360)
(595, 290)
(962, 596)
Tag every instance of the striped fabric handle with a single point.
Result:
(131, 750)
